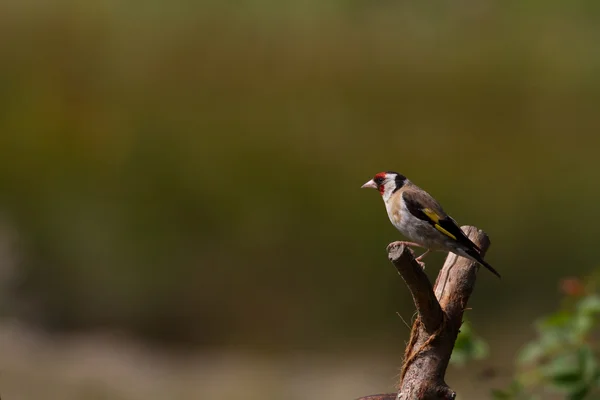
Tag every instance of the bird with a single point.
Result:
(419, 217)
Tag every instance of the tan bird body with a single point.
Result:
(419, 217)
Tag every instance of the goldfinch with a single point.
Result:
(419, 217)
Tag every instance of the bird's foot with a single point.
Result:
(419, 259)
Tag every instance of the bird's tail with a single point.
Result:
(475, 256)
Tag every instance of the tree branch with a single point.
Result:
(415, 278)
(440, 311)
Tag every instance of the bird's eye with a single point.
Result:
(379, 180)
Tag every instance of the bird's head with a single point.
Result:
(386, 182)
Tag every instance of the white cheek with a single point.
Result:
(389, 189)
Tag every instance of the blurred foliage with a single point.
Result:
(468, 346)
(563, 358)
(190, 171)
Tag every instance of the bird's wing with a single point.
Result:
(421, 205)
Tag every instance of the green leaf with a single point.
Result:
(546, 345)
(564, 373)
(596, 379)
(558, 320)
(568, 381)
(582, 325)
(590, 304)
(554, 338)
(588, 364)
(579, 394)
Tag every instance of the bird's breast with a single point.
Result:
(394, 210)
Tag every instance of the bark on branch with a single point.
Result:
(440, 309)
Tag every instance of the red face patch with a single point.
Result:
(379, 179)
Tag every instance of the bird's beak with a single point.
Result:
(371, 184)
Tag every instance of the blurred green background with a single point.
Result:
(186, 175)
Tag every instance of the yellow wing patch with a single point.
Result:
(445, 232)
(432, 215)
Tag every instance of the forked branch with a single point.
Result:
(440, 310)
